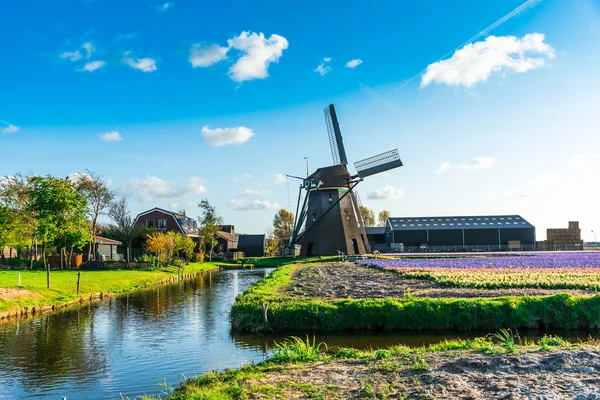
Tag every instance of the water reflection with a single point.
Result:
(127, 344)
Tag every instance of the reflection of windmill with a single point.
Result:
(329, 210)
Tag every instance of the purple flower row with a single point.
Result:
(541, 260)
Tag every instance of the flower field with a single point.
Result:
(579, 270)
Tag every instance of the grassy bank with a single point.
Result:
(33, 291)
(287, 313)
(305, 369)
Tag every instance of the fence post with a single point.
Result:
(78, 281)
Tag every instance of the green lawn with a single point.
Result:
(64, 284)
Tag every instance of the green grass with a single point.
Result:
(241, 383)
(63, 284)
(561, 311)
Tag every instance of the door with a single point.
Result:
(355, 246)
(309, 249)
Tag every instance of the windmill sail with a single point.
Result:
(335, 137)
(379, 163)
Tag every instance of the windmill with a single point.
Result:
(328, 205)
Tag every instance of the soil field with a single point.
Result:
(454, 374)
(340, 281)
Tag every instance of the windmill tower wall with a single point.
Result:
(337, 230)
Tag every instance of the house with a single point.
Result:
(162, 220)
(226, 239)
(252, 245)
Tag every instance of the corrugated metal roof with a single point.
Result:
(459, 222)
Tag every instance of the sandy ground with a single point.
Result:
(334, 281)
(557, 374)
(13, 293)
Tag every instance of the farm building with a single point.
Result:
(460, 233)
(252, 245)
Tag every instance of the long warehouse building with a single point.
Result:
(494, 232)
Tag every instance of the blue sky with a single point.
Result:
(174, 102)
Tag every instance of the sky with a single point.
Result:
(492, 105)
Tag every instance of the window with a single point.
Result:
(150, 224)
(314, 217)
(330, 197)
(162, 224)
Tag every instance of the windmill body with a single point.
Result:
(332, 222)
(328, 219)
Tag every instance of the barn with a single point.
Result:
(460, 233)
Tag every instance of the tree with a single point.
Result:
(124, 227)
(283, 227)
(210, 224)
(16, 194)
(7, 229)
(60, 211)
(367, 215)
(99, 198)
(272, 244)
(157, 243)
(382, 217)
(187, 247)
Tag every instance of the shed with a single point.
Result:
(106, 249)
(252, 245)
(490, 232)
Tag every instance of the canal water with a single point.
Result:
(138, 343)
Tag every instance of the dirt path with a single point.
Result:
(334, 281)
(557, 374)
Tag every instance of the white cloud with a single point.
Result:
(253, 192)
(89, 49)
(152, 188)
(111, 136)
(143, 64)
(93, 65)
(387, 192)
(279, 178)
(255, 205)
(476, 62)
(10, 128)
(224, 136)
(477, 164)
(585, 160)
(322, 68)
(354, 63)
(258, 53)
(205, 56)
(194, 185)
(165, 7)
(76, 55)
(72, 55)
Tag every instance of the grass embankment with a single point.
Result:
(478, 368)
(63, 284)
(287, 313)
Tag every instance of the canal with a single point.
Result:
(149, 340)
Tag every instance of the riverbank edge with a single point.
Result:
(252, 380)
(265, 308)
(26, 312)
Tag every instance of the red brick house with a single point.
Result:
(167, 221)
